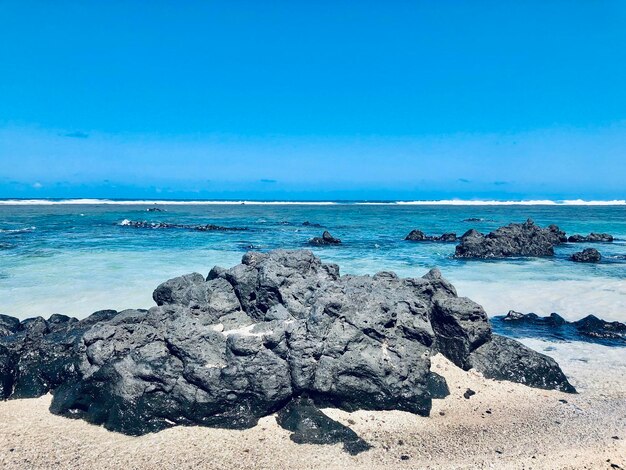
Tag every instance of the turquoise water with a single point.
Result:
(75, 259)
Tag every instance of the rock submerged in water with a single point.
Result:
(523, 240)
(591, 238)
(588, 255)
(325, 239)
(554, 326)
(165, 225)
(244, 342)
(419, 236)
(311, 224)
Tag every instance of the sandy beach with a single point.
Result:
(504, 425)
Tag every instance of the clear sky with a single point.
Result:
(313, 100)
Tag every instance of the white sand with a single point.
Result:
(527, 428)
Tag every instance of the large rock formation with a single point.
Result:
(522, 240)
(246, 341)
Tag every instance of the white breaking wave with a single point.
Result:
(443, 202)
(538, 202)
(50, 202)
(17, 230)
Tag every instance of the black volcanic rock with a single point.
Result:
(310, 426)
(591, 238)
(448, 237)
(523, 240)
(460, 326)
(416, 236)
(593, 327)
(38, 355)
(590, 328)
(310, 224)
(246, 341)
(505, 359)
(325, 239)
(588, 255)
(167, 225)
(558, 234)
(8, 325)
(419, 236)
(437, 386)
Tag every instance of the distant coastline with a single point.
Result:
(442, 202)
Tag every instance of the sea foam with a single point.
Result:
(442, 202)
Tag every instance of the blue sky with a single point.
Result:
(313, 100)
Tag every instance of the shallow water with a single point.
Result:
(76, 259)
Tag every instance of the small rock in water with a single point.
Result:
(325, 239)
(419, 236)
(591, 238)
(310, 224)
(588, 255)
(525, 239)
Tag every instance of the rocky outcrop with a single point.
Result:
(591, 238)
(555, 327)
(505, 359)
(38, 355)
(165, 225)
(558, 235)
(588, 255)
(419, 236)
(523, 240)
(311, 224)
(325, 239)
(244, 342)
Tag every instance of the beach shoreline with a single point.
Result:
(504, 425)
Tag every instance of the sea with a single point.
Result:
(78, 256)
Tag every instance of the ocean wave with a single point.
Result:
(442, 202)
(537, 202)
(17, 230)
(130, 202)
